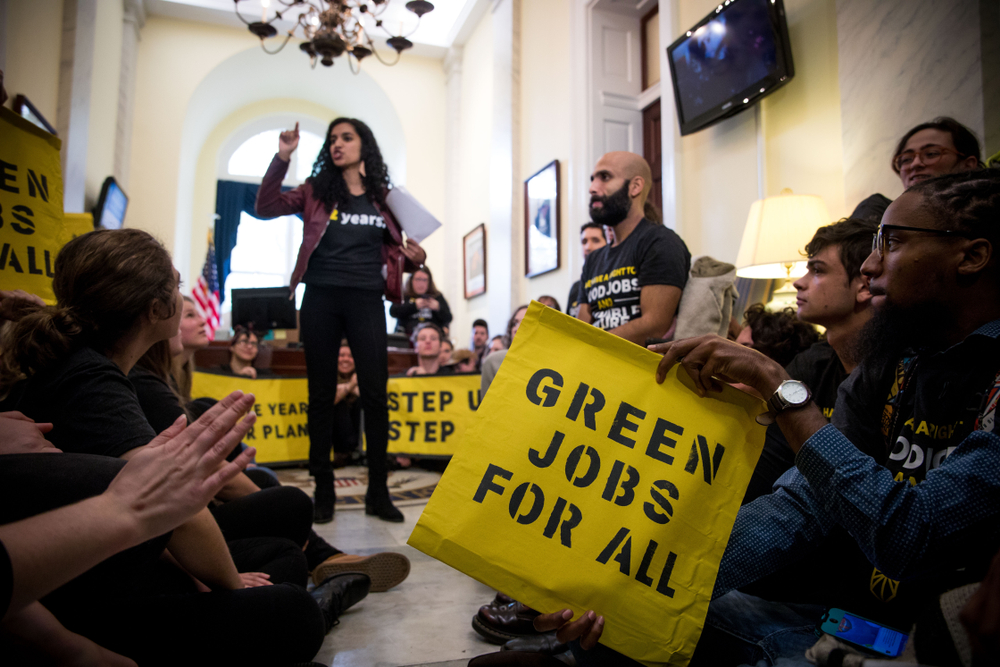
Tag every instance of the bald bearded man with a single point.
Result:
(632, 287)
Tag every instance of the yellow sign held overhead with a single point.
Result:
(584, 484)
(31, 206)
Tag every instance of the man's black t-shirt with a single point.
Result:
(350, 252)
(613, 277)
(92, 405)
(820, 368)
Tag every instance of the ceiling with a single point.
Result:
(438, 29)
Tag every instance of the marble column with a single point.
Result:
(76, 69)
(901, 63)
(134, 19)
(453, 270)
(505, 247)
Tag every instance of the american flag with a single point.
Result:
(206, 292)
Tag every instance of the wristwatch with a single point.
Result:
(791, 394)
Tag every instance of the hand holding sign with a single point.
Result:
(708, 359)
(587, 628)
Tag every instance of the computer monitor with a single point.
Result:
(110, 210)
(25, 109)
(263, 308)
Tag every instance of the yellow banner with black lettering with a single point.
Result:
(587, 485)
(31, 206)
(429, 415)
(281, 432)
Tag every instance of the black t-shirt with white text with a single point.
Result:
(350, 252)
(613, 276)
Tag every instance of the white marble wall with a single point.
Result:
(902, 62)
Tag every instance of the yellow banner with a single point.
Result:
(281, 432)
(430, 415)
(31, 206)
(587, 485)
(427, 415)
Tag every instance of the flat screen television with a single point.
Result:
(110, 210)
(25, 109)
(730, 59)
(264, 308)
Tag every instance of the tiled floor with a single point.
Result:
(424, 621)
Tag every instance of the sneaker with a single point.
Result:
(386, 569)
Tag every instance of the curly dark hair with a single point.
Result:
(854, 237)
(968, 201)
(780, 335)
(327, 181)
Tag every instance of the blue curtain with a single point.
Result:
(232, 198)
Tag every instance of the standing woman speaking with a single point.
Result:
(352, 252)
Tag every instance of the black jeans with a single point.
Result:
(328, 315)
(137, 605)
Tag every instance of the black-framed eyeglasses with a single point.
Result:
(928, 156)
(879, 240)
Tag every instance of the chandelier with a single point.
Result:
(333, 28)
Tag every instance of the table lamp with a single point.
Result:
(776, 233)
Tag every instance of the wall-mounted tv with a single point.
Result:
(110, 210)
(730, 59)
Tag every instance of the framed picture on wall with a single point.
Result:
(541, 221)
(474, 261)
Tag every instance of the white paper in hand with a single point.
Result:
(416, 221)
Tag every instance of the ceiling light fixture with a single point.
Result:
(333, 28)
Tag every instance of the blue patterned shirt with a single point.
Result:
(909, 529)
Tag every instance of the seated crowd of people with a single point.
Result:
(137, 529)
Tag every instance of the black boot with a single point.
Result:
(377, 503)
(324, 498)
(339, 593)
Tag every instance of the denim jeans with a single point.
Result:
(740, 629)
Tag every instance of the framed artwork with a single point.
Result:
(474, 261)
(541, 221)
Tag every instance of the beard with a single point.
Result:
(894, 330)
(614, 207)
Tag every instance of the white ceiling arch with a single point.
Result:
(252, 76)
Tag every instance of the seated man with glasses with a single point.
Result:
(898, 499)
(939, 147)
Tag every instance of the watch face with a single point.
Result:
(794, 393)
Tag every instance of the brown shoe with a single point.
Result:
(499, 625)
(386, 569)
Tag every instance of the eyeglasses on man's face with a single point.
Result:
(928, 155)
(881, 238)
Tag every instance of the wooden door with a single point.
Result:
(652, 150)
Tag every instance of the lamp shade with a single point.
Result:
(778, 228)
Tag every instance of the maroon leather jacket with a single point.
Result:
(272, 203)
